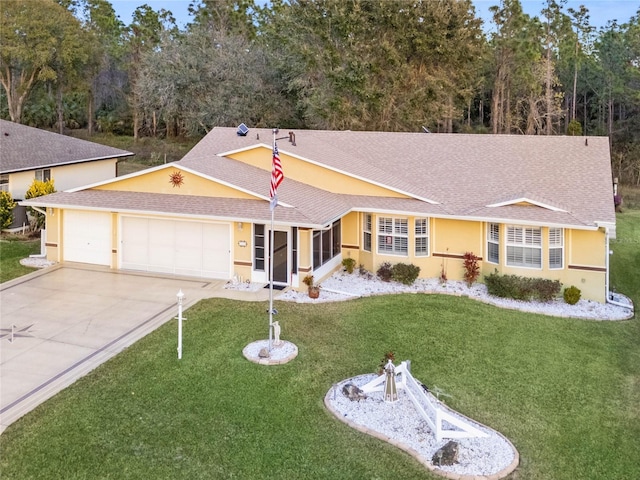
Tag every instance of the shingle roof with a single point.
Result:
(565, 181)
(464, 173)
(26, 148)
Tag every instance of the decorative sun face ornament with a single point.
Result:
(176, 179)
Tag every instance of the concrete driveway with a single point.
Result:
(60, 323)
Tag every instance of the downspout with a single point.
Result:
(608, 293)
(43, 251)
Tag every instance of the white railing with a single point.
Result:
(432, 413)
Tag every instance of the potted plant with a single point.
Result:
(314, 290)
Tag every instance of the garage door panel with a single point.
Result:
(87, 237)
(217, 254)
(188, 255)
(136, 238)
(178, 247)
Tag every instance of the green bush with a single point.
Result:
(384, 273)
(405, 273)
(348, 264)
(572, 295)
(6, 210)
(522, 288)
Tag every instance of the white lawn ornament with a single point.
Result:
(390, 388)
(276, 334)
(440, 421)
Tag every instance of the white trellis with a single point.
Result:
(433, 414)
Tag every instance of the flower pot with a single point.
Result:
(314, 292)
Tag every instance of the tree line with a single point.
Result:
(393, 65)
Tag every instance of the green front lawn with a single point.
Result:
(566, 392)
(14, 248)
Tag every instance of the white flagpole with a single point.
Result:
(273, 209)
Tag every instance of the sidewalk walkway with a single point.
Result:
(58, 324)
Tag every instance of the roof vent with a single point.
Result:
(292, 138)
(242, 130)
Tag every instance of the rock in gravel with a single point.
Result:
(447, 455)
(352, 392)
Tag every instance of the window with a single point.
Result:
(4, 182)
(422, 237)
(258, 247)
(366, 228)
(393, 236)
(327, 244)
(43, 175)
(493, 243)
(524, 247)
(556, 244)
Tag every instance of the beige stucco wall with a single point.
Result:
(584, 262)
(53, 224)
(242, 248)
(159, 182)
(320, 177)
(65, 177)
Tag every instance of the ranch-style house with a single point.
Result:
(536, 206)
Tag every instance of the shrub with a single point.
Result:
(385, 359)
(308, 281)
(471, 268)
(6, 210)
(37, 189)
(384, 273)
(571, 295)
(405, 273)
(522, 288)
(348, 264)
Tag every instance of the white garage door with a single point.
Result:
(170, 246)
(86, 237)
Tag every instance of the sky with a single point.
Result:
(601, 11)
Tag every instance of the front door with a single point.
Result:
(280, 265)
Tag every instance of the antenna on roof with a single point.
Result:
(425, 129)
(242, 130)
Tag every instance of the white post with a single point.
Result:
(180, 299)
(273, 209)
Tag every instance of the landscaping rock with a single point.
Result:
(447, 455)
(352, 392)
(263, 353)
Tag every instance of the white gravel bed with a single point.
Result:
(243, 286)
(279, 353)
(36, 262)
(402, 423)
(345, 286)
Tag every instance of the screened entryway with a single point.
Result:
(281, 270)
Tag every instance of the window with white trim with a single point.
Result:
(524, 247)
(493, 243)
(366, 232)
(43, 175)
(393, 236)
(4, 182)
(556, 248)
(422, 236)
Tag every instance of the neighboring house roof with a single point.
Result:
(26, 148)
(546, 180)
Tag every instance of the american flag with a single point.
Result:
(276, 176)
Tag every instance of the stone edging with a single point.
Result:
(271, 361)
(451, 475)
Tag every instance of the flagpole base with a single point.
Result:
(279, 355)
